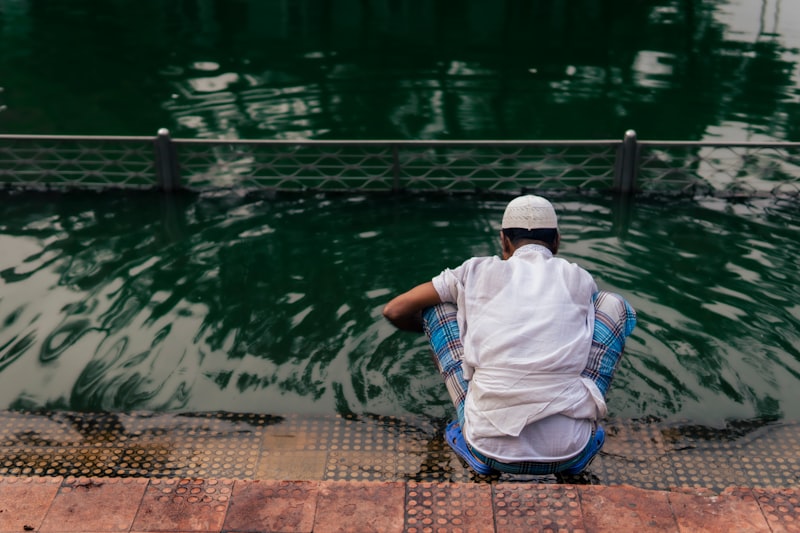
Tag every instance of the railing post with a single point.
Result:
(167, 170)
(626, 166)
(395, 168)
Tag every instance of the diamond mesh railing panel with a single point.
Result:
(414, 166)
(286, 166)
(77, 162)
(507, 166)
(720, 170)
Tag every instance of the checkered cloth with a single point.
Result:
(614, 322)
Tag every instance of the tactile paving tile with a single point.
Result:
(60, 461)
(311, 433)
(682, 436)
(39, 429)
(448, 507)
(632, 437)
(272, 506)
(149, 460)
(652, 472)
(389, 466)
(128, 445)
(290, 464)
(550, 479)
(419, 435)
(537, 508)
(216, 459)
(634, 453)
(347, 433)
(396, 433)
(768, 456)
(778, 438)
(707, 469)
(184, 505)
(780, 508)
(357, 437)
(192, 428)
(769, 471)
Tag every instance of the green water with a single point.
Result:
(403, 69)
(263, 304)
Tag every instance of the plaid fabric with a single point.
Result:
(441, 328)
(614, 322)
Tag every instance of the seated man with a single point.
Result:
(527, 347)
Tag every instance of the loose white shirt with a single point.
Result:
(526, 324)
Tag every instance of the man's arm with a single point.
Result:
(405, 310)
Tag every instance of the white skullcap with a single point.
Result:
(530, 212)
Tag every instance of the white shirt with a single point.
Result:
(526, 325)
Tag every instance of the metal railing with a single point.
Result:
(626, 166)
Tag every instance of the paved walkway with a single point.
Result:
(67, 472)
(55, 504)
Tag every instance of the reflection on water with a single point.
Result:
(272, 305)
(407, 69)
(519, 71)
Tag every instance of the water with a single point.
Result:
(248, 303)
(409, 69)
(262, 304)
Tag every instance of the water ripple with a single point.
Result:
(201, 308)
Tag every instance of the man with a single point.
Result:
(527, 347)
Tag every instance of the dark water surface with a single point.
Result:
(257, 304)
(247, 303)
(402, 69)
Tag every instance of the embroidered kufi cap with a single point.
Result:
(530, 212)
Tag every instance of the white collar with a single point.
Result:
(532, 249)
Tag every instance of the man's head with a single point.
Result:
(529, 219)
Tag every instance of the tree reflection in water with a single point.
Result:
(378, 69)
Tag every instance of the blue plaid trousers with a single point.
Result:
(614, 322)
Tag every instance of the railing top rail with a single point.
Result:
(721, 144)
(125, 138)
(315, 142)
(351, 142)
(408, 142)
